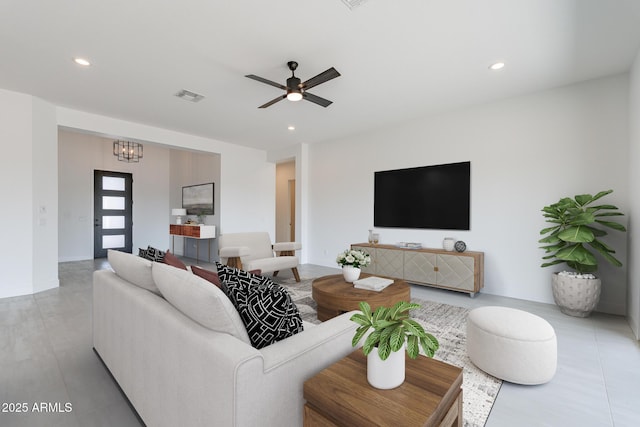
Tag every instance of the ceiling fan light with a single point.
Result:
(294, 96)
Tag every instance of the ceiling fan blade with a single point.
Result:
(316, 99)
(327, 75)
(269, 82)
(273, 101)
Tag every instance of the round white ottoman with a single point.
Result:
(512, 345)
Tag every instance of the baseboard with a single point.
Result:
(75, 258)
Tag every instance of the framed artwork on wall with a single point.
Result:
(198, 199)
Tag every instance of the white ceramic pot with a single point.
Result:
(350, 273)
(449, 243)
(575, 296)
(386, 374)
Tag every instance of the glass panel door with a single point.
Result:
(113, 208)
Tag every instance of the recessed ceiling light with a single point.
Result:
(496, 66)
(82, 61)
(291, 128)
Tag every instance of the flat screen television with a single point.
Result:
(432, 197)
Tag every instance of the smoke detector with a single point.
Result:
(187, 95)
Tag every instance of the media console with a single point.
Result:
(458, 271)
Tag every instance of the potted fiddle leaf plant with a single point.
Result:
(574, 239)
(393, 330)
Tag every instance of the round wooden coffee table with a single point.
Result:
(334, 296)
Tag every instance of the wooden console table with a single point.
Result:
(192, 232)
(340, 395)
(458, 271)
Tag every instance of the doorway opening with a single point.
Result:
(286, 201)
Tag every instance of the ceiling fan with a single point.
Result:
(296, 90)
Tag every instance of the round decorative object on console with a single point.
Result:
(460, 246)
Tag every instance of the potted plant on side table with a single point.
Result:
(392, 330)
(574, 239)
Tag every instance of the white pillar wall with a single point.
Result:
(633, 298)
(28, 206)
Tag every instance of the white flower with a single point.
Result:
(354, 257)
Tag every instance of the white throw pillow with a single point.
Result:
(200, 300)
(133, 269)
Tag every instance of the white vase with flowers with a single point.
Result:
(351, 261)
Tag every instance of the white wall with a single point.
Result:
(28, 257)
(45, 200)
(28, 180)
(80, 154)
(247, 181)
(633, 305)
(525, 153)
(16, 203)
(191, 168)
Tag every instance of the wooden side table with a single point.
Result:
(334, 296)
(340, 395)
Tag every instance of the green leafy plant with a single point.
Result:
(392, 327)
(576, 231)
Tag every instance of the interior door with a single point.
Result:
(292, 210)
(113, 208)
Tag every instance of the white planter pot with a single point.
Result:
(350, 273)
(449, 243)
(575, 296)
(386, 374)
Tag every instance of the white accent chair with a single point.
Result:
(254, 251)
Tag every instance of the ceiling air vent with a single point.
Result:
(189, 96)
(352, 4)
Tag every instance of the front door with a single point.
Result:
(113, 208)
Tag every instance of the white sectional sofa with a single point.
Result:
(177, 372)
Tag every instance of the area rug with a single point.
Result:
(448, 324)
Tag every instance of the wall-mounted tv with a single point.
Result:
(434, 197)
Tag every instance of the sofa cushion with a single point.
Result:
(207, 275)
(171, 259)
(198, 300)
(266, 308)
(212, 276)
(133, 269)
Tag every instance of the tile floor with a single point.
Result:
(46, 358)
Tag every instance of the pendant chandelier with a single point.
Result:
(127, 151)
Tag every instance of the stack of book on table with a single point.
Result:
(372, 283)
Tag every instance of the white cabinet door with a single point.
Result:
(420, 267)
(455, 271)
(389, 262)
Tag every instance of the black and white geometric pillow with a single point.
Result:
(152, 254)
(266, 308)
